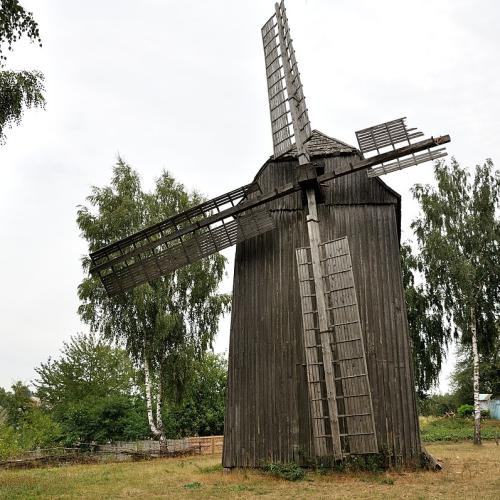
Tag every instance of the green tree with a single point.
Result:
(429, 335)
(24, 425)
(200, 412)
(18, 89)
(458, 234)
(16, 403)
(462, 376)
(91, 390)
(169, 322)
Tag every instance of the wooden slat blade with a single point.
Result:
(389, 136)
(354, 402)
(179, 240)
(287, 105)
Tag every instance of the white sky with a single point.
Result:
(181, 85)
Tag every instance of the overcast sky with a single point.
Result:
(181, 85)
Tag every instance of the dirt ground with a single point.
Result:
(469, 472)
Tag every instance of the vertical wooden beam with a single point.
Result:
(315, 240)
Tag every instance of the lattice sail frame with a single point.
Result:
(287, 105)
(180, 240)
(388, 135)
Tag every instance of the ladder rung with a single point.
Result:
(347, 359)
(318, 399)
(313, 346)
(335, 273)
(323, 436)
(347, 340)
(337, 289)
(316, 381)
(309, 312)
(344, 324)
(352, 396)
(354, 415)
(352, 376)
(319, 363)
(334, 256)
(358, 434)
(340, 307)
(320, 418)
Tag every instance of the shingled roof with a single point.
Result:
(320, 144)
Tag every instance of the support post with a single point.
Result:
(314, 241)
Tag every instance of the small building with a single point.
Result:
(484, 401)
(494, 407)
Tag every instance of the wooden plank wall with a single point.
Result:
(267, 410)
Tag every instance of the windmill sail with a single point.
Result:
(287, 105)
(212, 226)
(347, 415)
(180, 240)
(387, 136)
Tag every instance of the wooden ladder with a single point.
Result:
(354, 420)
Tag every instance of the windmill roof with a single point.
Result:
(320, 144)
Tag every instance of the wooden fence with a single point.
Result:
(117, 451)
(206, 445)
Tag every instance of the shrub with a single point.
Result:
(9, 443)
(465, 411)
(289, 472)
(485, 413)
(437, 405)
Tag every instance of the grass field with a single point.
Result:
(434, 429)
(469, 472)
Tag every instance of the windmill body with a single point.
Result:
(319, 362)
(268, 415)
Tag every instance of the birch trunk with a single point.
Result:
(159, 420)
(149, 402)
(475, 380)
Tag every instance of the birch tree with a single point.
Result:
(429, 335)
(18, 89)
(169, 322)
(458, 234)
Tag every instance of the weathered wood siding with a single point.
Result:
(267, 411)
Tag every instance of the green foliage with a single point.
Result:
(170, 322)
(465, 411)
(18, 89)
(91, 390)
(24, 425)
(437, 405)
(455, 429)
(352, 463)
(458, 233)
(87, 366)
(289, 471)
(9, 444)
(16, 403)
(193, 486)
(489, 368)
(201, 410)
(102, 420)
(428, 334)
(15, 22)
(210, 469)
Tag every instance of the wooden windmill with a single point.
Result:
(302, 380)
